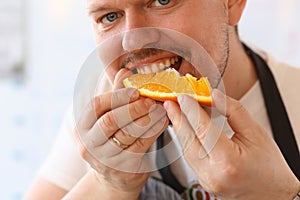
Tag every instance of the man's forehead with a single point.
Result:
(96, 5)
(114, 2)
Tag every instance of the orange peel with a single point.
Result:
(169, 84)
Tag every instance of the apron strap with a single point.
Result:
(281, 127)
(282, 130)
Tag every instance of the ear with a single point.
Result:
(235, 10)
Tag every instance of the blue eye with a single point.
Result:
(110, 17)
(161, 2)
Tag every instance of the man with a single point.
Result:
(247, 166)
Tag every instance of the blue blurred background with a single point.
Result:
(57, 35)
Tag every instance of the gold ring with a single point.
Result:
(120, 144)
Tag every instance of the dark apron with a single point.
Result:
(282, 131)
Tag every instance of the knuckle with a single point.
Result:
(95, 104)
(126, 137)
(238, 108)
(120, 96)
(142, 106)
(201, 130)
(215, 184)
(146, 122)
(140, 144)
(235, 111)
(76, 132)
(116, 98)
(230, 171)
(138, 108)
(107, 121)
(96, 101)
(84, 152)
(128, 131)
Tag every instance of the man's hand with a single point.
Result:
(247, 166)
(113, 134)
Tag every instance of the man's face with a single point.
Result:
(205, 21)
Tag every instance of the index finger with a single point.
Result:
(212, 140)
(103, 103)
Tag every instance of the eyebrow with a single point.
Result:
(97, 8)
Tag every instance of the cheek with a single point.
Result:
(103, 35)
(98, 37)
(205, 23)
(211, 35)
(112, 71)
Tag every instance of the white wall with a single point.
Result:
(274, 26)
(59, 38)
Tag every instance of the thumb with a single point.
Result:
(238, 117)
(120, 76)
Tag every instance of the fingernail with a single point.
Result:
(180, 99)
(166, 105)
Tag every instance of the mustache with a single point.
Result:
(139, 55)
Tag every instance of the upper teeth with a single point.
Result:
(156, 67)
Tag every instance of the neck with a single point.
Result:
(240, 74)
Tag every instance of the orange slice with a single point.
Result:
(168, 85)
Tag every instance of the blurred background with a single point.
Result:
(42, 45)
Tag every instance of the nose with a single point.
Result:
(138, 34)
(140, 38)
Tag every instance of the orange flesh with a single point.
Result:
(168, 85)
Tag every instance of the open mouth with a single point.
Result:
(173, 62)
(151, 61)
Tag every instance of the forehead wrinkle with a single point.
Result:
(95, 5)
